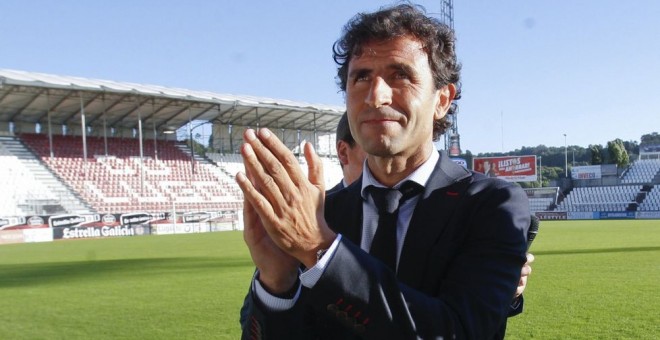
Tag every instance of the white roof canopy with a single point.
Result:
(30, 97)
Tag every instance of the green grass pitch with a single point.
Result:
(590, 280)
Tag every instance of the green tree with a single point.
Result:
(596, 154)
(651, 138)
(617, 152)
(632, 147)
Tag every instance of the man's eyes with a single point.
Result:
(401, 75)
(395, 76)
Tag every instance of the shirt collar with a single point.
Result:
(419, 176)
(343, 182)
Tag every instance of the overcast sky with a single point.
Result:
(532, 70)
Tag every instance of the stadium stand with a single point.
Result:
(651, 201)
(124, 175)
(233, 163)
(331, 171)
(642, 171)
(29, 188)
(229, 163)
(605, 198)
(540, 204)
(120, 181)
(114, 178)
(121, 175)
(542, 199)
(637, 191)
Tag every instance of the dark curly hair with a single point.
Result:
(403, 19)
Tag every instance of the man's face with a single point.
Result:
(391, 99)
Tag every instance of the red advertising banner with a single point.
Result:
(510, 168)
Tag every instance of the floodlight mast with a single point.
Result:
(447, 12)
(452, 137)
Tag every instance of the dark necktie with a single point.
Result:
(387, 202)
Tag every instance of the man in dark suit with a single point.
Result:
(460, 240)
(351, 158)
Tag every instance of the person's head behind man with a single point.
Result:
(350, 154)
(399, 70)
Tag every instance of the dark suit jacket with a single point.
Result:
(459, 267)
(336, 188)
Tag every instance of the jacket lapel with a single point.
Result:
(433, 213)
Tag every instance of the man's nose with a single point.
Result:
(380, 93)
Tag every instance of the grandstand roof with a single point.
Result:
(27, 97)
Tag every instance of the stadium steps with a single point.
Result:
(186, 150)
(211, 165)
(217, 159)
(223, 170)
(226, 173)
(208, 162)
(68, 200)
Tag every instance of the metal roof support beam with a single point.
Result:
(162, 107)
(32, 100)
(202, 112)
(298, 142)
(176, 114)
(119, 100)
(82, 107)
(105, 127)
(316, 146)
(53, 108)
(137, 108)
(231, 138)
(309, 126)
(291, 125)
(63, 99)
(230, 111)
(153, 104)
(50, 127)
(106, 108)
(130, 111)
(217, 118)
(155, 112)
(286, 114)
(83, 129)
(256, 114)
(190, 140)
(246, 113)
(10, 91)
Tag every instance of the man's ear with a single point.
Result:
(446, 95)
(342, 152)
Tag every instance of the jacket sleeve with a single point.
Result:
(257, 322)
